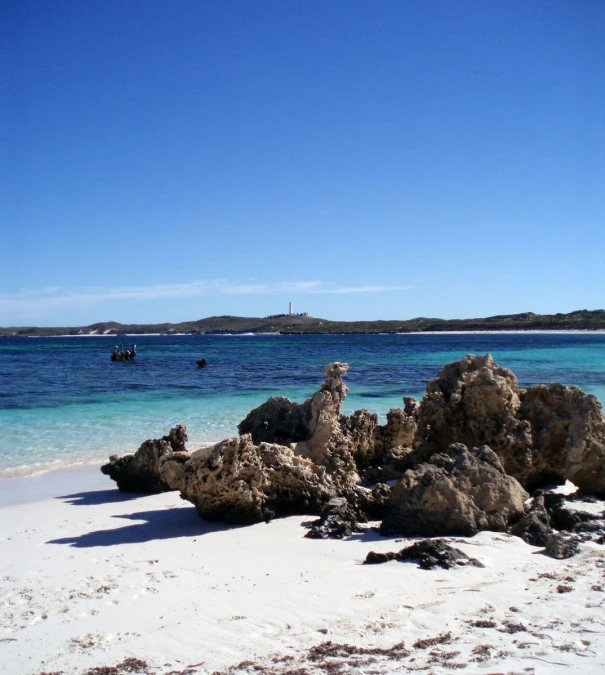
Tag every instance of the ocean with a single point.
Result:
(64, 403)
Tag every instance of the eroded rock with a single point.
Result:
(236, 481)
(140, 472)
(278, 420)
(542, 435)
(475, 402)
(459, 492)
(568, 436)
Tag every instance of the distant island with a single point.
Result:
(292, 324)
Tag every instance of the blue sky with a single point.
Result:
(167, 161)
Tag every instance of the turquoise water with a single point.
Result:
(63, 402)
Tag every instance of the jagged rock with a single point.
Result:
(429, 553)
(316, 429)
(241, 481)
(459, 492)
(341, 516)
(475, 402)
(140, 472)
(401, 427)
(542, 434)
(568, 434)
(325, 432)
(238, 482)
(359, 432)
(338, 519)
(387, 454)
(535, 526)
(561, 546)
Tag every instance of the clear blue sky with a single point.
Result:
(167, 161)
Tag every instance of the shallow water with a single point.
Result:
(63, 401)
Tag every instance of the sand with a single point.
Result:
(90, 578)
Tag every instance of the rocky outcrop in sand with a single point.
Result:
(140, 472)
(459, 492)
(239, 482)
(475, 402)
(256, 476)
(429, 553)
(541, 434)
(462, 457)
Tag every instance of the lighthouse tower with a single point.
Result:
(290, 309)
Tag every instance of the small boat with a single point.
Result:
(123, 354)
(201, 363)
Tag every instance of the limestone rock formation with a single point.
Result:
(239, 482)
(541, 434)
(294, 458)
(359, 437)
(568, 436)
(459, 492)
(325, 432)
(316, 429)
(140, 472)
(401, 427)
(475, 402)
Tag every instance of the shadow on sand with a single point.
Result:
(95, 497)
(164, 524)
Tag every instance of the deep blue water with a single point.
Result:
(62, 400)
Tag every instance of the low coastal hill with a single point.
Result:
(302, 324)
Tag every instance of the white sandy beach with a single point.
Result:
(91, 577)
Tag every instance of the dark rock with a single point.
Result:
(278, 420)
(429, 553)
(374, 558)
(338, 519)
(552, 500)
(561, 546)
(373, 503)
(459, 492)
(564, 519)
(534, 527)
(140, 472)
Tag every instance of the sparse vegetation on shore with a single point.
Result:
(582, 320)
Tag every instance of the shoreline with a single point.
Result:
(51, 484)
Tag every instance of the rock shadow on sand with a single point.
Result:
(96, 497)
(158, 525)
